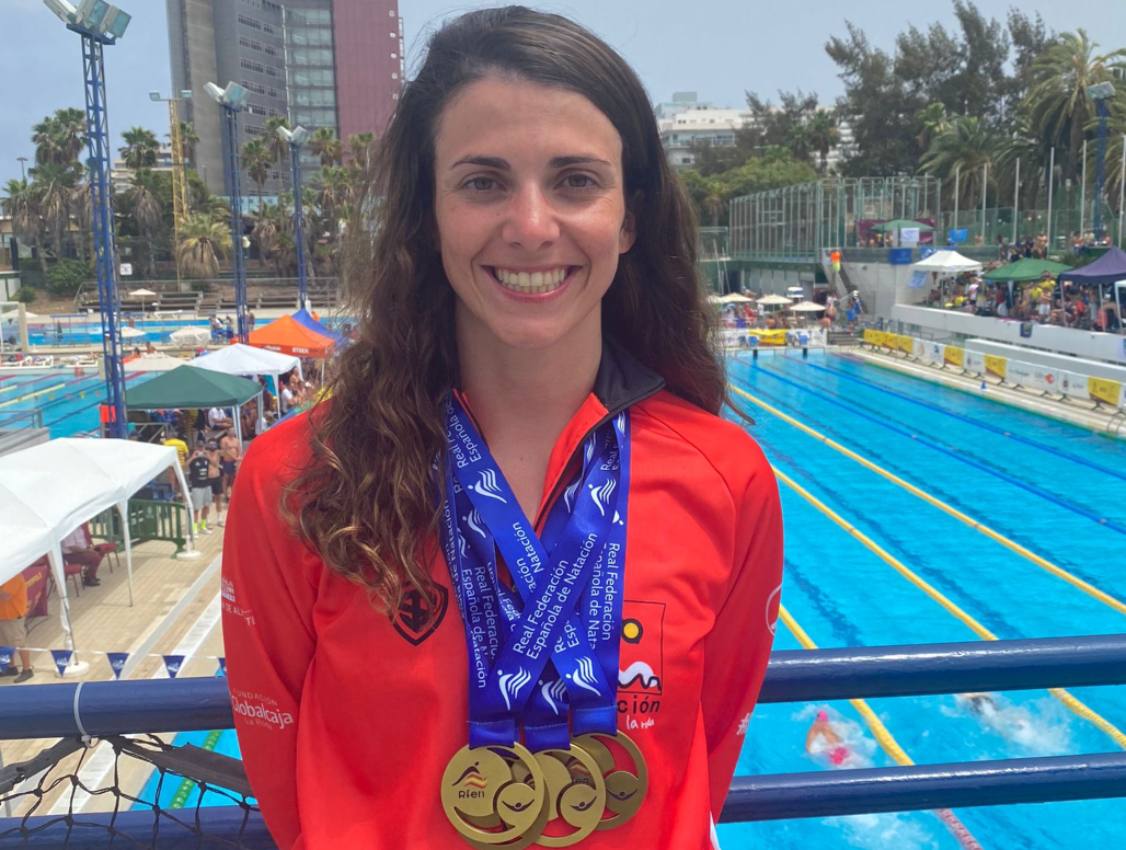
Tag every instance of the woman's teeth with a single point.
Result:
(531, 283)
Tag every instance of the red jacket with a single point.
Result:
(347, 719)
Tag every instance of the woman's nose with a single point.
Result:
(531, 220)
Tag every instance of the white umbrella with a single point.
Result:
(715, 299)
(142, 294)
(154, 363)
(735, 298)
(807, 307)
(191, 336)
(948, 262)
(774, 300)
(131, 333)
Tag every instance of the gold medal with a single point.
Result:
(625, 789)
(495, 797)
(576, 795)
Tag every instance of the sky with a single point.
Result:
(717, 48)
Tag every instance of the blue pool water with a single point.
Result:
(1051, 487)
(67, 403)
(69, 330)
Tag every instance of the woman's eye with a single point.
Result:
(578, 181)
(481, 184)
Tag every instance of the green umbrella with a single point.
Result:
(1026, 269)
(191, 387)
(900, 224)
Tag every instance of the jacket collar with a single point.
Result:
(622, 381)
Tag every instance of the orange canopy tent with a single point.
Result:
(291, 337)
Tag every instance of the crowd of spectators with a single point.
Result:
(1080, 306)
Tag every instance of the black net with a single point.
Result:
(153, 795)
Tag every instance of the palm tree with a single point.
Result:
(966, 145)
(203, 242)
(279, 149)
(325, 145)
(141, 148)
(1057, 105)
(22, 204)
(188, 140)
(147, 214)
(60, 137)
(273, 235)
(53, 185)
(933, 121)
(256, 159)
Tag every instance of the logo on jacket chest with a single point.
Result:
(419, 617)
(641, 664)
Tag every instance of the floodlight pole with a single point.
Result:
(231, 166)
(97, 145)
(298, 226)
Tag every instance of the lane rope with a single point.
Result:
(969, 420)
(857, 410)
(977, 525)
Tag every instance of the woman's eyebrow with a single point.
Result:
(502, 164)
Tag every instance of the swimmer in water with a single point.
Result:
(830, 743)
(981, 704)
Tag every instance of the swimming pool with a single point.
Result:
(87, 330)
(67, 403)
(1047, 485)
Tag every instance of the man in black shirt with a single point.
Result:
(199, 465)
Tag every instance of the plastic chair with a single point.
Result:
(74, 571)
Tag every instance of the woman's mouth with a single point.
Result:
(531, 283)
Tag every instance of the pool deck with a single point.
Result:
(1099, 420)
(175, 611)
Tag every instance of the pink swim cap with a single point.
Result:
(822, 715)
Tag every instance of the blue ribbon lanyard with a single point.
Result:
(567, 604)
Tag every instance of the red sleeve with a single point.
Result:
(269, 589)
(738, 647)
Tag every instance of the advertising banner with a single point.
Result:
(954, 355)
(996, 366)
(974, 362)
(936, 354)
(1074, 386)
(1033, 377)
(918, 349)
(1105, 390)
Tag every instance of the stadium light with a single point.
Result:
(295, 138)
(99, 24)
(231, 101)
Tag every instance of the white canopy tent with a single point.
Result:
(49, 490)
(947, 262)
(192, 335)
(239, 359)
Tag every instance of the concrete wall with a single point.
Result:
(1090, 344)
(882, 286)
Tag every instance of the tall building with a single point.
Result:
(319, 63)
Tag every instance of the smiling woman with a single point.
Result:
(527, 423)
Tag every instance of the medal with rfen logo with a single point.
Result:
(544, 652)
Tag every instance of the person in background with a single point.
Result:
(229, 454)
(215, 479)
(78, 548)
(199, 466)
(13, 626)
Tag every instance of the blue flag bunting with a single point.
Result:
(172, 664)
(117, 662)
(222, 666)
(62, 659)
(6, 653)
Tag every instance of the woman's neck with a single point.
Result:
(521, 394)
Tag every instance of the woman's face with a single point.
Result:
(531, 212)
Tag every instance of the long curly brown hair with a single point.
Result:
(366, 501)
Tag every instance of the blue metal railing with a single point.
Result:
(108, 708)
